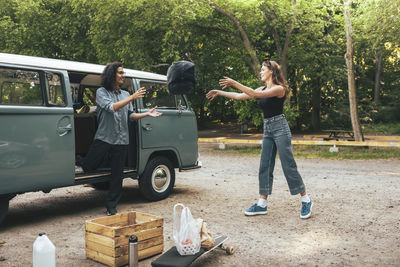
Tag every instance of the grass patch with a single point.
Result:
(303, 151)
(383, 128)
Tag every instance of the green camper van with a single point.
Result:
(48, 121)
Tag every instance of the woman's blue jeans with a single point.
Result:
(277, 138)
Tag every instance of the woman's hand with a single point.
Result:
(226, 82)
(139, 93)
(153, 112)
(212, 94)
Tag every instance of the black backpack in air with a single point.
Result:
(181, 77)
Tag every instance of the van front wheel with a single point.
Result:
(4, 202)
(158, 179)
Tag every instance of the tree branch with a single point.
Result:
(255, 63)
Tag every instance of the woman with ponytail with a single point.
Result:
(276, 138)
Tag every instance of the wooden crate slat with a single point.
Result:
(146, 217)
(131, 218)
(99, 229)
(142, 245)
(104, 240)
(145, 253)
(131, 229)
(123, 260)
(116, 252)
(119, 218)
(142, 235)
(147, 234)
(100, 257)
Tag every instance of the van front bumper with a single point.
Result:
(198, 165)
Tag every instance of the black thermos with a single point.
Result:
(133, 251)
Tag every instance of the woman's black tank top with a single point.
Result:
(271, 106)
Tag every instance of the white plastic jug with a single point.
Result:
(44, 252)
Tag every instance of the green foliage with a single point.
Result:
(383, 128)
(150, 35)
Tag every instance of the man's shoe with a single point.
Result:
(111, 212)
(78, 169)
(255, 210)
(306, 208)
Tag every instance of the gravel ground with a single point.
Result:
(355, 221)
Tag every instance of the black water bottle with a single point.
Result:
(133, 251)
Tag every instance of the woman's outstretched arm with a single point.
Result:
(278, 90)
(236, 96)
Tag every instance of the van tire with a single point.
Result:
(158, 179)
(4, 203)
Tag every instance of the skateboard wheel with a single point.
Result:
(229, 250)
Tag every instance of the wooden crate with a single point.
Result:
(107, 238)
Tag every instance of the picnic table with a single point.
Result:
(339, 134)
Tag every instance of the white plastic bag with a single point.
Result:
(186, 235)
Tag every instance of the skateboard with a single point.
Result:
(172, 258)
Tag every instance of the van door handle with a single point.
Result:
(65, 128)
(147, 127)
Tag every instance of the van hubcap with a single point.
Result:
(161, 178)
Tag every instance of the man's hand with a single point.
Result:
(139, 93)
(153, 112)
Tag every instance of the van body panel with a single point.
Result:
(34, 155)
(36, 144)
(178, 130)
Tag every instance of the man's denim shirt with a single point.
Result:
(113, 125)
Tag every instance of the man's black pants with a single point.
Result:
(114, 156)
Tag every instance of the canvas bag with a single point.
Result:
(186, 235)
(181, 77)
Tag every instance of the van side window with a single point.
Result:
(157, 94)
(89, 95)
(20, 87)
(54, 89)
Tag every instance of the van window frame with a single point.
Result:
(186, 105)
(40, 85)
(43, 86)
(46, 84)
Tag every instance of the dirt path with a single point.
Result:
(356, 216)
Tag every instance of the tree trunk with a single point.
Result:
(355, 121)
(284, 64)
(316, 105)
(378, 73)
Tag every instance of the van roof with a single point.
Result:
(72, 66)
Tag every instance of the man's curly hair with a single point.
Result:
(108, 75)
